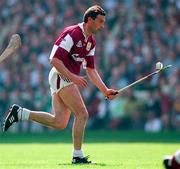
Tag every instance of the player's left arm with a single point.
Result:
(94, 76)
(97, 81)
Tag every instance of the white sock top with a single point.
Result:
(23, 114)
(78, 153)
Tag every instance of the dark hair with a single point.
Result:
(92, 12)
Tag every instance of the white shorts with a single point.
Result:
(57, 81)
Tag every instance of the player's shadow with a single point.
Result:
(91, 164)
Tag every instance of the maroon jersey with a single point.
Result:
(73, 48)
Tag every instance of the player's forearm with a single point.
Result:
(59, 65)
(96, 80)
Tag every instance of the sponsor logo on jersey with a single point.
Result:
(79, 44)
(88, 47)
(77, 58)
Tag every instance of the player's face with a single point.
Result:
(97, 24)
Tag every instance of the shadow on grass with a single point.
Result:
(91, 164)
(92, 137)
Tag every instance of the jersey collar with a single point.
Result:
(82, 29)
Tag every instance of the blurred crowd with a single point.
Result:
(137, 35)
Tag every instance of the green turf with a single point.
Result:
(111, 150)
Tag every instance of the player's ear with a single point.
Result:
(90, 20)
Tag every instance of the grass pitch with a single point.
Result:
(110, 150)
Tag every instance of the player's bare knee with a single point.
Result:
(83, 116)
(60, 125)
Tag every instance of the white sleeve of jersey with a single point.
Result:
(53, 51)
(67, 43)
(92, 52)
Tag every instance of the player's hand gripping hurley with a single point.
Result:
(14, 44)
(143, 78)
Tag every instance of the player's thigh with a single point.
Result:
(71, 96)
(60, 110)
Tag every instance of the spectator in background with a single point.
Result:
(117, 116)
(176, 110)
(153, 123)
(133, 110)
(176, 114)
(165, 102)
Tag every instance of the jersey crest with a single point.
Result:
(79, 44)
(88, 47)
